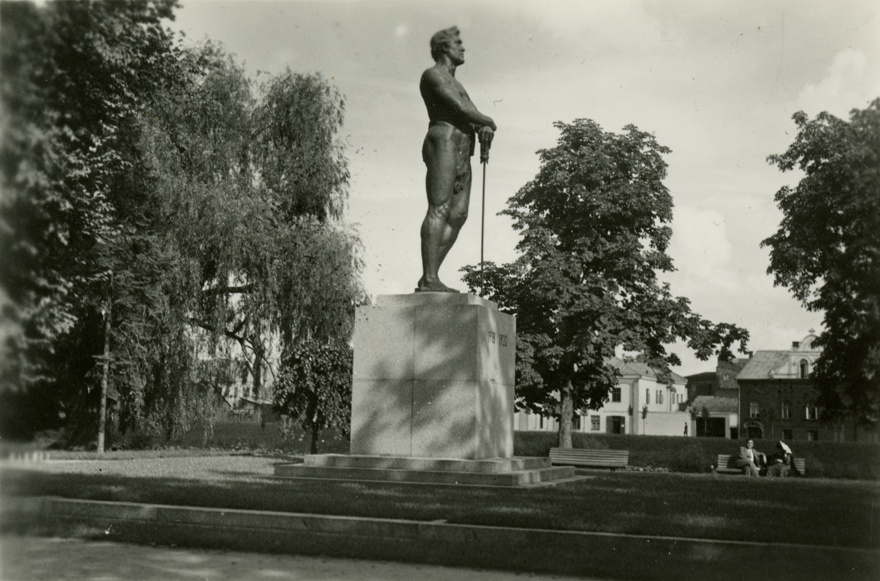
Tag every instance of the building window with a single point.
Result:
(786, 410)
(594, 423)
(615, 393)
(540, 422)
(786, 435)
(576, 422)
(754, 409)
(813, 435)
(647, 395)
(812, 412)
(804, 369)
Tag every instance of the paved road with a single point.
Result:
(43, 559)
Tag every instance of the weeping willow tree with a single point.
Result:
(160, 211)
(247, 246)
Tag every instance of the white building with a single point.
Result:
(639, 404)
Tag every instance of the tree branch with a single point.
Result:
(228, 290)
(213, 329)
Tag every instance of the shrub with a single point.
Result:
(140, 439)
(848, 460)
(589, 442)
(692, 458)
(533, 443)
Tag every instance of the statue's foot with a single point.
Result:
(433, 287)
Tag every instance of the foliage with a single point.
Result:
(252, 435)
(594, 235)
(692, 458)
(315, 388)
(160, 188)
(845, 460)
(75, 74)
(827, 252)
(252, 197)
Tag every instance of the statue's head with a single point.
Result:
(441, 40)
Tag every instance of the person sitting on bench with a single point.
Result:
(749, 460)
(781, 463)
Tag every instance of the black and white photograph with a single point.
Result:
(397, 289)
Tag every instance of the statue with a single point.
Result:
(454, 124)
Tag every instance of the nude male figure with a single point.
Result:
(454, 124)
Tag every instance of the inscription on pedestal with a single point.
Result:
(502, 339)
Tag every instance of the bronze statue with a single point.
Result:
(448, 147)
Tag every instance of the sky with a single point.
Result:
(717, 82)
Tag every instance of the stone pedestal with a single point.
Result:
(433, 378)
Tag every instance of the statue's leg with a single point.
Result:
(461, 197)
(440, 153)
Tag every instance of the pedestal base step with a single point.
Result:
(504, 472)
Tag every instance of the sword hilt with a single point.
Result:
(484, 151)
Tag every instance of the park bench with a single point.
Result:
(613, 459)
(723, 466)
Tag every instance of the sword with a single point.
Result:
(484, 159)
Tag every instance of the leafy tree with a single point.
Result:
(827, 252)
(74, 75)
(705, 414)
(251, 192)
(158, 189)
(315, 388)
(594, 234)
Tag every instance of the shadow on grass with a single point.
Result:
(789, 511)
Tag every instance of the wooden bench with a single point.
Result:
(588, 458)
(723, 465)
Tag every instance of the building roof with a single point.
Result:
(641, 369)
(763, 364)
(701, 376)
(714, 403)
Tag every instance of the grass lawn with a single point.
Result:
(802, 511)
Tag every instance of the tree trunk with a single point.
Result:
(313, 449)
(259, 351)
(565, 415)
(105, 379)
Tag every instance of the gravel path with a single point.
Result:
(200, 468)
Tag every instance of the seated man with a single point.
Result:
(749, 459)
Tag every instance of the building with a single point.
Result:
(714, 416)
(778, 398)
(713, 400)
(639, 404)
(701, 385)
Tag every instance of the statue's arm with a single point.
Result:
(434, 86)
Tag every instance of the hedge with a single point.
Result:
(850, 460)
